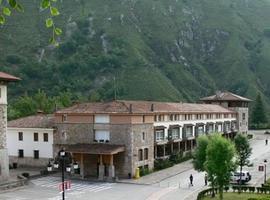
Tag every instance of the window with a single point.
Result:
(200, 129)
(143, 118)
(64, 135)
(36, 154)
(0, 93)
(146, 154)
(199, 116)
(171, 117)
(102, 119)
(210, 128)
(143, 135)
(159, 135)
(209, 116)
(45, 137)
(189, 117)
(226, 116)
(218, 116)
(20, 136)
(20, 153)
(176, 117)
(160, 118)
(102, 135)
(140, 154)
(243, 116)
(35, 137)
(175, 133)
(64, 118)
(189, 130)
(156, 118)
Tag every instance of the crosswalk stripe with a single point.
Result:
(76, 186)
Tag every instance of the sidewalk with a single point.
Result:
(161, 175)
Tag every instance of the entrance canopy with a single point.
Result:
(97, 149)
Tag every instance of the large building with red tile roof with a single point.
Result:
(113, 139)
(4, 162)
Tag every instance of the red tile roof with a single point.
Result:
(224, 96)
(8, 77)
(34, 121)
(140, 107)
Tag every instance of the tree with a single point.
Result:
(243, 151)
(8, 6)
(200, 158)
(219, 161)
(200, 153)
(258, 114)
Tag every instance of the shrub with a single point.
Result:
(162, 164)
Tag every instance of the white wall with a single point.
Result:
(3, 95)
(28, 144)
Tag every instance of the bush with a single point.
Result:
(162, 164)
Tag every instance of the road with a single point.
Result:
(172, 188)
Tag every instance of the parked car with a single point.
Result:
(235, 177)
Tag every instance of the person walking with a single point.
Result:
(266, 141)
(191, 179)
(205, 180)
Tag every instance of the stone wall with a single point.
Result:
(4, 167)
(139, 143)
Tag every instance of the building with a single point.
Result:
(112, 139)
(4, 167)
(30, 140)
(233, 102)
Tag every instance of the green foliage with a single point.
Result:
(219, 161)
(200, 153)
(259, 113)
(28, 105)
(243, 150)
(45, 4)
(180, 54)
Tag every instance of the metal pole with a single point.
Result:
(63, 179)
(264, 174)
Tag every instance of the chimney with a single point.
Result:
(218, 94)
(130, 108)
(152, 107)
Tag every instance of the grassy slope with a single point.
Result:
(148, 32)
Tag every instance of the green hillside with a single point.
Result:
(176, 50)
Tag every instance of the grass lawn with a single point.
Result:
(242, 196)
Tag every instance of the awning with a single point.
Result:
(219, 122)
(174, 126)
(188, 125)
(200, 124)
(209, 123)
(97, 149)
(160, 127)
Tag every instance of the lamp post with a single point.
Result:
(62, 157)
(265, 161)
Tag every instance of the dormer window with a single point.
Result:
(64, 117)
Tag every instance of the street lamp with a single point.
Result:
(265, 161)
(63, 157)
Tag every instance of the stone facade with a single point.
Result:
(4, 163)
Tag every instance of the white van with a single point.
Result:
(235, 177)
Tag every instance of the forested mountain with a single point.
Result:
(168, 50)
